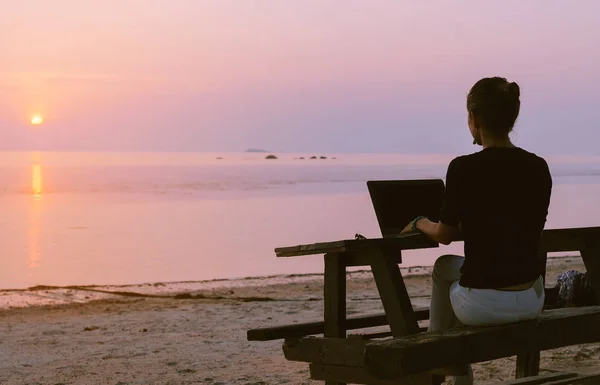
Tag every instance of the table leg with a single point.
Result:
(394, 296)
(396, 303)
(335, 299)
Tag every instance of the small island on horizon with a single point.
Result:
(256, 150)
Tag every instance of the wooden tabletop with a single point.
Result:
(413, 241)
(553, 240)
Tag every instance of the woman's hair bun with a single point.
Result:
(513, 89)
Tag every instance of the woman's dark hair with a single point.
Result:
(495, 103)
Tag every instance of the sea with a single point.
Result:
(131, 218)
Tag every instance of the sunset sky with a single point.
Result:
(304, 75)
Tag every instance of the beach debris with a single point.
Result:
(186, 371)
(271, 157)
(53, 332)
(90, 328)
(323, 157)
(313, 157)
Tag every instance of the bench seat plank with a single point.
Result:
(313, 328)
(580, 377)
(339, 352)
(422, 352)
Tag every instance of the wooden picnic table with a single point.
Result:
(338, 360)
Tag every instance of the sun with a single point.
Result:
(37, 120)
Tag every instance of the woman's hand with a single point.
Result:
(407, 229)
(412, 226)
(436, 231)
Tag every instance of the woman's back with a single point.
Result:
(499, 199)
(501, 196)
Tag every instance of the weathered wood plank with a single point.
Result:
(543, 260)
(412, 241)
(326, 351)
(528, 363)
(425, 351)
(358, 258)
(590, 254)
(567, 239)
(353, 258)
(553, 240)
(335, 297)
(314, 248)
(355, 375)
(335, 300)
(579, 377)
(340, 352)
(317, 328)
(579, 380)
(394, 296)
(372, 336)
(314, 328)
(539, 379)
(352, 323)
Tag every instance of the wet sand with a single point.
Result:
(195, 333)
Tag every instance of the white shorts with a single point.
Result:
(487, 307)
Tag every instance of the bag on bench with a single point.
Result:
(574, 290)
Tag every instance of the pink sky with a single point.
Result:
(318, 75)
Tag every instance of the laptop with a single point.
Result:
(397, 202)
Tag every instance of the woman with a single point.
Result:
(498, 200)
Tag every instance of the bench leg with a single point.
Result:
(335, 299)
(528, 364)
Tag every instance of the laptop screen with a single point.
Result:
(398, 202)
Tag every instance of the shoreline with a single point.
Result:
(214, 289)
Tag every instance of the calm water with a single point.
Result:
(116, 218)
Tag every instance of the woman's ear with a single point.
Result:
(476, 123)
(473, 122)
(474, 128)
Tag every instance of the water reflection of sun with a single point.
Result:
(35, 218)
(36, 181)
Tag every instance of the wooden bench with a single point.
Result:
(402, 357)
(388, 361)
(338, 359)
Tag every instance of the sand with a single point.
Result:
(58, 336)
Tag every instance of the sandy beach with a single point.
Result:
(167, 334)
